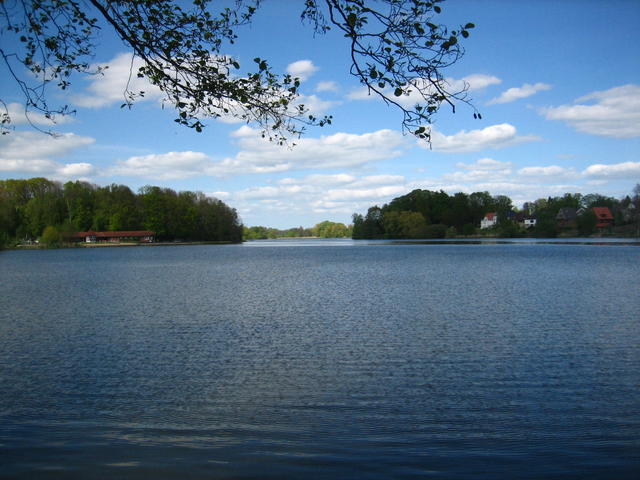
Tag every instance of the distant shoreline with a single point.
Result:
(120, 244)
(166, 244)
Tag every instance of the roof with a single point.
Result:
(121, 233)
(566, 213)
(490, 215)
(602, 213)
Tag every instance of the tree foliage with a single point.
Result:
(328, 229)
(29, 207)
(325, 229)
(51, 237)
(397, 48)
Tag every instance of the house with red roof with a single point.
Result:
(489, 220)
(603, 217)
(141, 236)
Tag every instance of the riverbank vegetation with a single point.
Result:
(47, 211)
(430, 214)
(324, 229)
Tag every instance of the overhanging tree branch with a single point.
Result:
(397, 51)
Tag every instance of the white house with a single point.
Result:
(489, 220)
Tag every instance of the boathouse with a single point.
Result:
(140, 236)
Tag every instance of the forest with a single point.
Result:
(29, 207)
(430, 214)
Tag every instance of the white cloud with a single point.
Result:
(32, 166)
(166, 166)
(487, 164)
(378, 180)
(481, 170)
(36, 145)
(476, 81)
(553, 171)
(315, 105)
(303, 69)
(110, 87)
(341, 195)
(616, 170)
(494, 136)
(31, 153)
(361, 93)
(320, 179)
(609, 113)
(257, 155)
(335, 194)
(327, 87)
(76, 170)
(340, 150)
(517, 93)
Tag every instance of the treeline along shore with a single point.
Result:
(430, 214)
(49, 213)
(46, 211)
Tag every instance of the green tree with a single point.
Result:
(329, 229)
(79, 198)
(255, 233)
(508, 229)
(372, 225)
(51, 237)
(597, 200)
(635, 200)
(28, 206)
(154, 207)
(502, 205)
(404, 224)
(587, 222)
(396, 47)
(9, 219)
(546, 225)
(459, 212)
(468, 229)
(437, 230)
(43, 210)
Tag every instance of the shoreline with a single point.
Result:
(471, 238)
(120, 244)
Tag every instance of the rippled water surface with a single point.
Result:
(321, 360)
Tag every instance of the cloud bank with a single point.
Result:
(609, 113)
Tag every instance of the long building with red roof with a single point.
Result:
(142, 236)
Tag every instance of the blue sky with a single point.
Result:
(557, 83)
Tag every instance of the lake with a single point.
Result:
(321, 359)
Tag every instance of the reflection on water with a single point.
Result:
(307, 242)
(407, 360)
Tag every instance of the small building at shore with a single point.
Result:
(139, 236)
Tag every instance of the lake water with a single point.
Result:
(321, 359)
